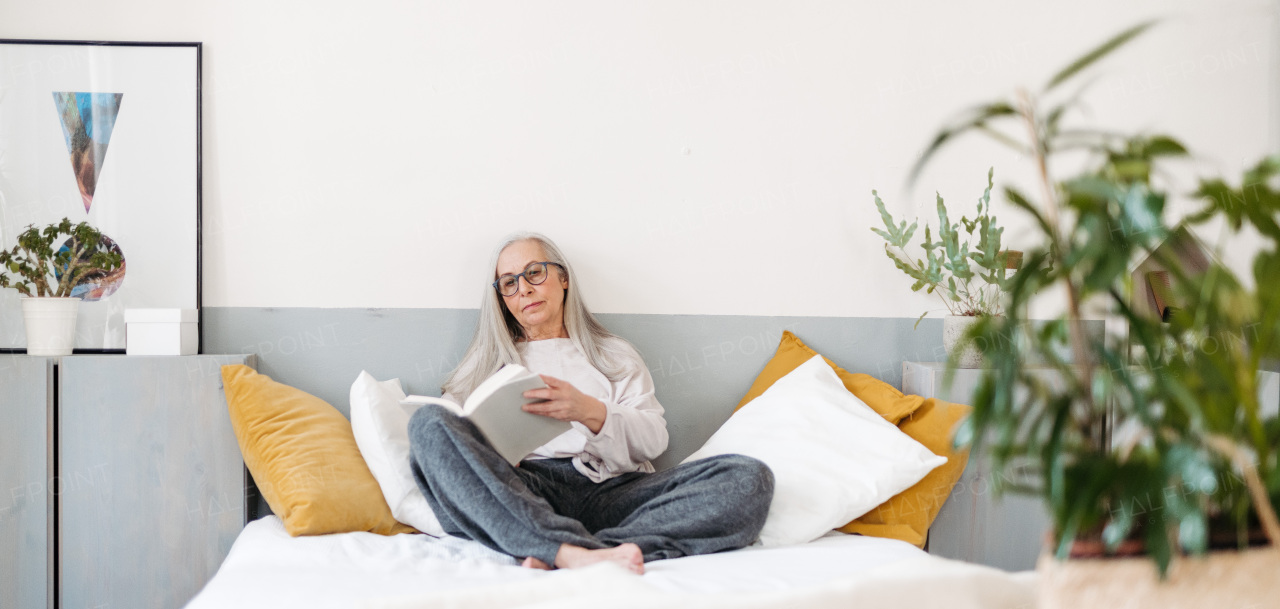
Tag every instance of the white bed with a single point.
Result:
(268, 568)
(833, 458)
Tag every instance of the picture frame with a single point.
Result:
(108, 133)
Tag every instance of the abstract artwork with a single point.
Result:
(106, 133)
(87, 121)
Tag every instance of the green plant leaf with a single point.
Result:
(1093, 56)
(1123, 515)
(1192, 468)
(1163, 145)
(1017, 198)
(1158, 546)
(977, 117)
(911, 270)
(1000, 138)
(956, 252)
(896, 235)
(1193, 532)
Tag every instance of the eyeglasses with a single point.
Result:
(535, 274)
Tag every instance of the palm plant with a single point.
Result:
(1197, 466)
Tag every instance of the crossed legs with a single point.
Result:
(553, 515)
(477, 495)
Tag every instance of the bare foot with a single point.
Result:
(533, 563)
(627, 555)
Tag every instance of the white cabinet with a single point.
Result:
(132, 463)
(26, 470)
(975, 525)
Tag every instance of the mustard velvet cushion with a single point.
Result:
(882, 397)
(304, 458)
(909, 514)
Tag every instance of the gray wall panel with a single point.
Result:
(26, 472)
(701, 364)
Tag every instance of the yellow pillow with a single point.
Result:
(903, 532)
(304, 458)
(882, 397)
(909, 514)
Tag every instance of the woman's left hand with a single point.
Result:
(566, 403)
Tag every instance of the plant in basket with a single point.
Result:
(46, 266)
(1154, 440)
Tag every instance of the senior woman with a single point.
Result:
(590, 494)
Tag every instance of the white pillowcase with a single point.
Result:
(381, 426)
(833, 457)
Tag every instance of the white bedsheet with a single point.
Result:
(268, 568)
(906, 584)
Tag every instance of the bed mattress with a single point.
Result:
(268, 568)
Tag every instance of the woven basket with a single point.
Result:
(1226, 579)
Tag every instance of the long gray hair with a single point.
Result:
(494, 343)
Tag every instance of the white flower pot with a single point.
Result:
(953, 329)
(51, 325)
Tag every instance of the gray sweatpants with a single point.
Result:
(701, 507)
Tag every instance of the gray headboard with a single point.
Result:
(702, 365)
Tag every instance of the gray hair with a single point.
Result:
(494, 343)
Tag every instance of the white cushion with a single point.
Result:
(833, 458)
(381, 426)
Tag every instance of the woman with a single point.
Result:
(590, 494)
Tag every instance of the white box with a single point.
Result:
(161, 331)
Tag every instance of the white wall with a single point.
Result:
(691, 157)
(1274, 70)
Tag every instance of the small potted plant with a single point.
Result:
(47, 273)
(1161, 452)
(968, 276)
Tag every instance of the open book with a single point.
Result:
(494, 408)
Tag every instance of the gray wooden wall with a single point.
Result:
(702, 365)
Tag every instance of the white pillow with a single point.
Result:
(381, 427)
(833, 458)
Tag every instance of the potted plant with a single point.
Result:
(968, 276)
(47, 276)
(1160, 451)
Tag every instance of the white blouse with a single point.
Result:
(634, 431)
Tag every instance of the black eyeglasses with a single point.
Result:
(535, 274)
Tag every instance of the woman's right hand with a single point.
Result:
(564, 402)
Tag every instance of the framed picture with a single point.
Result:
(107, 133)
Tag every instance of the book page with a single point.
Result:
(495, 382)
(423, 400)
